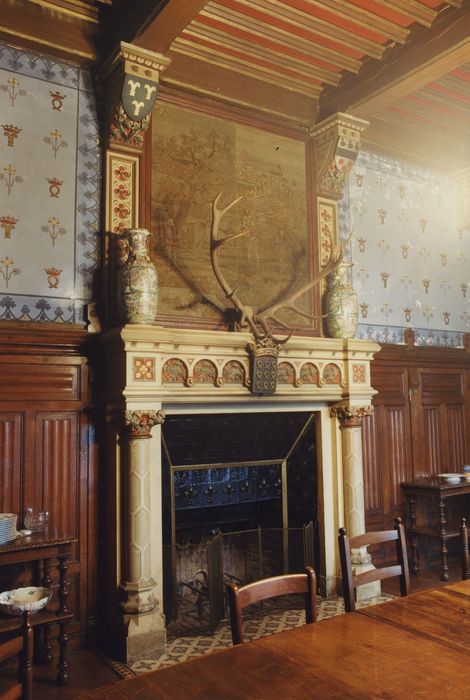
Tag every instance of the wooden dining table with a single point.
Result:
(413, 647)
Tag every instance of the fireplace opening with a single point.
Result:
(239, 504)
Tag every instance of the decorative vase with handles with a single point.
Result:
(137, 279)
(341, 305)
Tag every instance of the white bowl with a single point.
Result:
(451, 478)
(31, 598)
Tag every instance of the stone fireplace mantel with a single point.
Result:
(152, 371)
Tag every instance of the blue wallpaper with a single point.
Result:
(49, 188)
(410, 259)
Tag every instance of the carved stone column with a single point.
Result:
(143, 621)
(131, 79)
(350, 420)
(336, 144)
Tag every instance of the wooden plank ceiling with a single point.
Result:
(399, 63)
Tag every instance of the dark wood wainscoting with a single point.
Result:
(45, 460)
(421, 423)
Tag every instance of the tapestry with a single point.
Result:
(49, 184)
(410, 259)
(194, 157)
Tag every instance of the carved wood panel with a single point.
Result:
(44, 447)
(422, 411)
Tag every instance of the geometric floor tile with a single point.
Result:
(255, 626)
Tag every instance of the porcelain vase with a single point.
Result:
(137, 279)
(341, 305)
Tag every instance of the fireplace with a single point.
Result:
(228, 479)
(159, 375)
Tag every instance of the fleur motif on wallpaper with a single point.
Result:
(444, 259)
(428, 313)
(402, 191)
(446, 315)
(385, 277)
(361, 244)
(11, 177)
(55, 141)
(12, 88)
(364, 309)
(11, 132)
(382, 214)
(424, 252)
(423, 223)
(464, 287)
(465, 318)
(386, 309)
(361, 209)
(359, 179)
(54, 186)
(8, 223)
(7, 271)
(384, 245)
(460, 233)
(53, 275)
(408, 312)
(426, 284)
(406, 280)
(445, 286)
(363, 274)
(54, 229)
(405, 247)
(57, 100)
(403, 219)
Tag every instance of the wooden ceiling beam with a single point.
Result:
(412, 9)
(368, 20)
(428, 55)
(166, 24)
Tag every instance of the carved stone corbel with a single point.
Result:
(132, 78)
(337, 142)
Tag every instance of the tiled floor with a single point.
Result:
(257, 625)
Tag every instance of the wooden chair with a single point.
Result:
(21, 644)
(351, 581)
(464, 549)
(240, 598)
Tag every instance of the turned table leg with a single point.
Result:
(46, 647)
(63, 665)
(444, 550)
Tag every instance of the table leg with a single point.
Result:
(444, 550)
(63, 676)
(46, 647)
(414, 537)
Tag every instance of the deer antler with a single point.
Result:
(258, 319)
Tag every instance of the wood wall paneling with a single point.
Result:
(44, 434)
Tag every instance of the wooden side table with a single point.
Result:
(446, 502)
(44, 546)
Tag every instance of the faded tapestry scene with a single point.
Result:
(195, 157)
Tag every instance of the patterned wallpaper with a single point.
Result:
(410, 260)
(49, 188)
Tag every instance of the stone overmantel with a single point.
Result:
(148, 362)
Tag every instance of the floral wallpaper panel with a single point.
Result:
(411, 262)
(49, 188)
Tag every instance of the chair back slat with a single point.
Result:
(464, 549)
(240, 598)
(351, 581)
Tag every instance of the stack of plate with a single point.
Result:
(7, 527)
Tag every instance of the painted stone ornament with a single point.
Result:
(341, 305)
(137, 280)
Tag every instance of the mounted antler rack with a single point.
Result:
(265, 350)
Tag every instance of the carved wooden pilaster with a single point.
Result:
(336, 144)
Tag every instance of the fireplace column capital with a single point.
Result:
(350, 416)
(142, 618)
